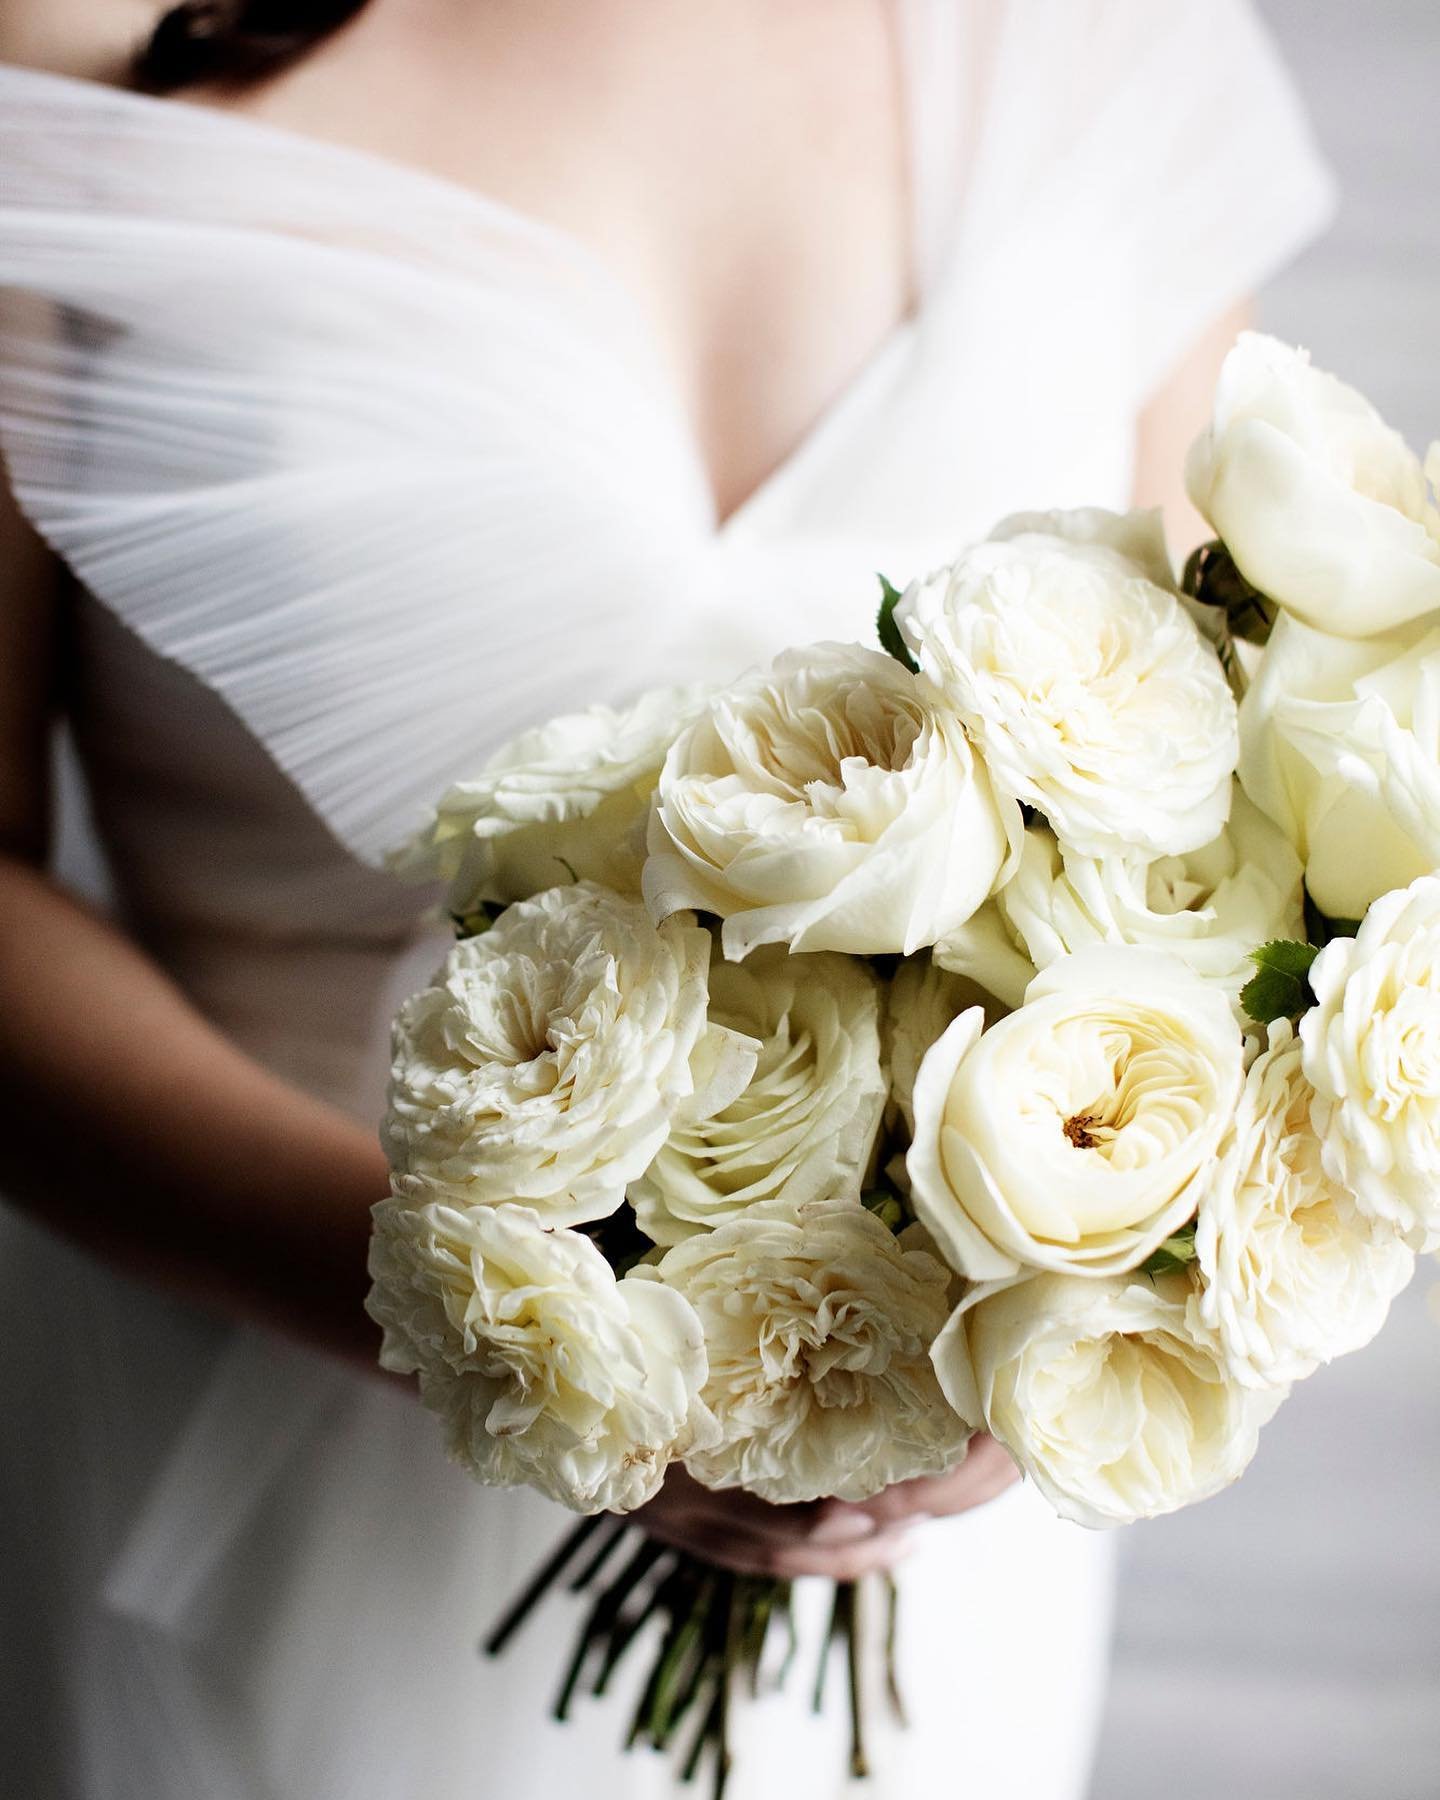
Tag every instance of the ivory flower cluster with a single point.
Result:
(1031, 1025)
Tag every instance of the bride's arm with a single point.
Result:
(1174, 417)
(133, 1126)
(126, 1120)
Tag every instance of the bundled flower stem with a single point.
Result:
(715, 1629)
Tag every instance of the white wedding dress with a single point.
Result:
(360, 472)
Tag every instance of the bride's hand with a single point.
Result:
(985, 1473)
(831, 1537)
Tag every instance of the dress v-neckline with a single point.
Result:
(911, 20)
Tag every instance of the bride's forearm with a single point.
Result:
(1170, 423)
(134, 1127)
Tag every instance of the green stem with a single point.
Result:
(785, 1598)
(603, 1615)
(892, 1638)
(852, 1624)
(540, 1584)
(703, 1736)
(730, 1660)
(760, 1598)
(675, 1662)
(679, 1610)
(610, 1542)
(627, 1629)
(831, 1631)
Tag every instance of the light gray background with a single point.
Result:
(1282, 1642)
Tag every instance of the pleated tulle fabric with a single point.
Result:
(360, 473)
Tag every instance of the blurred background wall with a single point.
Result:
(1282, 1642)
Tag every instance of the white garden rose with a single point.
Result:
(802, 1116)
(1103, 1392)
(923, 1001)
(1321, 504)
(569, 799)
(1372, 1054)
(818, 1326)
(1294, 1273)
(1340, 745)
(545, 1369)
(1090, 692)
(548, 1058)
(1077, 1133)
(831, 802)
(1209, 908)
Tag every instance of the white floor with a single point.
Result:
(1283, 1641)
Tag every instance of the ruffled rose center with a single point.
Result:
(1120, 1091)
(794, 741)
(834, 1353)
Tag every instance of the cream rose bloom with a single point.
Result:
(1372, 1054)
(1322, 506)
(1077, 1133)
(1209, 908)
(548, 1058)
(569, 799)
(830, 802)
(801, 1113)
(1087, 687)
(545, 1370)
(1103, 1392)
(923, 1001)
(818, 1326)
(1340, 745)
(1294, 1273)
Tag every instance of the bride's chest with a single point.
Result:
(744, 179)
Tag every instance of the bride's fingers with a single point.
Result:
(684, 1504)
(755, 1556)
(985, 1473)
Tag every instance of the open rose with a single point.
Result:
(1372, 1054)
(1103, 1392)
(548, 1057)
(1092, 695)
(1077, 1133)
(800, 1116)
(1209, 908)
(923, 1001)
(818, 1325)
(544, 1369)
(567, 799)
(831, 802)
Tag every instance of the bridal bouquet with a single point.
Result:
(1031, 1025)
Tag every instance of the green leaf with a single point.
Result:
(473, 924)
(1212, 578)
(1173, 1254)
(1280, 989)
(890, 639)
(887, 1207)
(1320, 928)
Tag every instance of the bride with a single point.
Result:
(376, 379)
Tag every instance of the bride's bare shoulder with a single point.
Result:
(96, 39)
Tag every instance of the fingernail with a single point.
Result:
(843, 1528)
